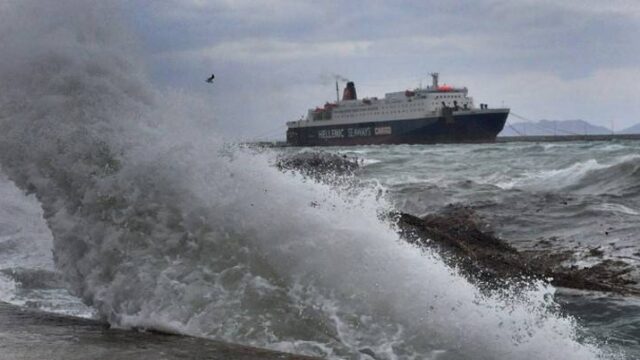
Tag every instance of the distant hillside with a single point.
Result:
(553, 127)
(635, 129)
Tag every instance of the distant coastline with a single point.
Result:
(504, 139)
(558, 138)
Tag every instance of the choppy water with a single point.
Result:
(141, 211)
(584, 193)
(578, 195)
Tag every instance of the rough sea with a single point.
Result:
(121, 202)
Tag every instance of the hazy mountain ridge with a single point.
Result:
(634, 129)
(561, 127)
(553, 127)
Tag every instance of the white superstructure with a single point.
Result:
(402, 105)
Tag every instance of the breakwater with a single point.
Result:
(558, 138)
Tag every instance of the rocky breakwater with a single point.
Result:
(319, 165)
(468, 244)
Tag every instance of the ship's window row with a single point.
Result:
(448, 96)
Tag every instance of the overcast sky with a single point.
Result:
(274, 59)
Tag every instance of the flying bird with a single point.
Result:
(210, 79)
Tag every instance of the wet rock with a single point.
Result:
(608, 275)
(33, 335)
(368, 352)
(460, 236)
(34, 278)
(318, 164)
(543, 243)
(595, 252)
(456, 235)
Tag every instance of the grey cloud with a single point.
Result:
(288, 45)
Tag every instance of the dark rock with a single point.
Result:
(597, 252)
(33, 335)
(34, 278)
(608, 275)
(543, 242)
(369, 352)
(318, 164)
(457, 234)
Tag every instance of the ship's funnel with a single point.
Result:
(349, 92)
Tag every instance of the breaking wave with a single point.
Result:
(589, 176)
(157, 223)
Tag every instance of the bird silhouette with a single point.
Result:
(210, 79)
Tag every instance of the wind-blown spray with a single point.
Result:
(157, 224)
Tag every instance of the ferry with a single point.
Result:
(435, 114)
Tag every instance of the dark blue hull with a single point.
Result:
(467, 127)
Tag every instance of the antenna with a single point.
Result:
(337, 91)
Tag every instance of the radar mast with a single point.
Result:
(434, 76)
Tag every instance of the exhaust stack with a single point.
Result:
(350, 92)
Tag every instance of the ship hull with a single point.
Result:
(462, 127)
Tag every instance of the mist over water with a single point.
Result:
(157, 223)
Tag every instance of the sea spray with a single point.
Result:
(157, 224)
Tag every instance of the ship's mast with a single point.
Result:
(434, 76)
(337, 92)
